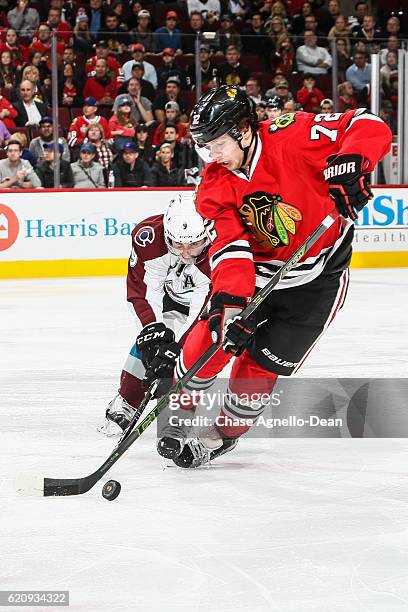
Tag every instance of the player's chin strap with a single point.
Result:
(246, 150)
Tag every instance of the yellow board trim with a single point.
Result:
(64, 267)
(118, 267)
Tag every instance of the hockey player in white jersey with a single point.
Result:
(168, 283)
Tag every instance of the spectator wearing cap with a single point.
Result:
(39, 143)
(209, 70)
(138, 52)
(101, 87)
(129, 170)
(23, 18)
(196, 26)
(142, 33)
(87, 172)
(172, 94)
(29, 111)
(169, 68)
(94, 134)
(122, 125)
(281, 84)
(15, 172)
(45, 168)
(209, 9)
(141, 107)
(102, 52)
(233, 72)
(164, 173)
(311, 58)
(83, 39)
(168, 35)
(274, 107)
(172, 116)
(147, 89)
(227, 36)
(146, 151)
(114, 33)
(79, 125)
(310, 96)
(327, 106)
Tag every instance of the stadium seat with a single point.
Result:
(64, 117)
(75, 111)
(23, 130)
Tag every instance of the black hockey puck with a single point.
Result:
(111, 489)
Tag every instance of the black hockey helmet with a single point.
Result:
(219, 112)
(275, 102)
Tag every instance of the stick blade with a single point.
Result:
(29, 485)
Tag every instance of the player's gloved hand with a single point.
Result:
(348, 183)
(161, 368)
(151, 338)
(226, 325)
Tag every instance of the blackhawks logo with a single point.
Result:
(282, 122)
(269, 218)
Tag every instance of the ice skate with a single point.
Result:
(117, 418)
(207, 446)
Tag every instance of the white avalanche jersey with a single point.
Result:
(158, 283)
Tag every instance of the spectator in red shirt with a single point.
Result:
(69, 89)
(122, 125)
(63, 29)
(309, 96)
(7, 113)
(102, 87)
(103, 52)
(78, 127)
(19, 53)
(42, 43)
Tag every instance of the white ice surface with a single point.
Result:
(285, 525)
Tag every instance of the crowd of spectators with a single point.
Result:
(127, 78)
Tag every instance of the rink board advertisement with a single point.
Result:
(84, 233)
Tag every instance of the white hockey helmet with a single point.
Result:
(183, 224)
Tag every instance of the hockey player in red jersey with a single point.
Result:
(267, 188)
(168, 283)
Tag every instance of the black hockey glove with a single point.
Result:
(348, 184)
(151, 338)
(161, 368)
(225, 324)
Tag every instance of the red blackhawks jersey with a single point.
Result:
(159, 282)
(114, 68)
(77, 129)
(257, 221)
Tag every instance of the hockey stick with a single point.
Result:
(41, 486)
